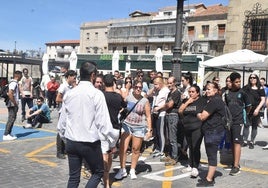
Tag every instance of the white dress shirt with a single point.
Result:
(85, 116)
(161, 98)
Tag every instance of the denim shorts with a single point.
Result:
(137, 131)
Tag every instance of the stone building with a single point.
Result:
(143, 33)
(247, 26)
(61, 50)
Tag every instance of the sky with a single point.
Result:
(29, 24)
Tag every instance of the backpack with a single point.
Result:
(4, 93)
(227, 118)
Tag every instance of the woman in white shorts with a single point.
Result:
(136, 126)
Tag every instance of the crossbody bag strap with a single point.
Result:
(132, 108)
(120, 130)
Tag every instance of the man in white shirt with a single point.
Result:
(84, 122)
(67, 85)
(12, 105)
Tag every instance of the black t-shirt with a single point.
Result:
(114, 103)
(215, 107)
(189, 119)
(237, 101)
(176, 97)
(254, 95)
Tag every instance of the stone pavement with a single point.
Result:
(32, 163)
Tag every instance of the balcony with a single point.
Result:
(202, 37)
(65, 51)
(127, 40)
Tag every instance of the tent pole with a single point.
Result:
(244, 75)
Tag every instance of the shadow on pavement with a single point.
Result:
(21, 135)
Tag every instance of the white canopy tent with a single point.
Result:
(239, 60)
(115, 61)
(158, 60)
(73, 61)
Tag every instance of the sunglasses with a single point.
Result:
(128, 82)
(38, 101)
(140, 76)
(252, 77)
(138, 87)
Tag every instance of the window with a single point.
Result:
(221, 31)
(259, 34)
(259, 29)
(147, 49)
(114, 48)
(191, 32)
(135, 49)
(167, 13)
(96, 35)
(205, 30)
(124, 49)
(88, 35)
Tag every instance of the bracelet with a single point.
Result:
(149, 130)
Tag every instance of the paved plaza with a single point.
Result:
(30, 161)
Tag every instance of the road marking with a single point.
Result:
(156, 175)
(245, 169)
(4, 151)
(116, 184)
(168, 184)
(32, 155)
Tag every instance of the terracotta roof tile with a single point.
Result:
(64, 42)
(211, 10)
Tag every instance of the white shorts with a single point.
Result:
(105, 144)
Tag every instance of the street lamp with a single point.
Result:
(15, 49)
(177, 51)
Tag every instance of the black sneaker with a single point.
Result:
(205, 183)
(234, 171)
(244, 144)
(38, 125)
(61, 156)
(250, 145)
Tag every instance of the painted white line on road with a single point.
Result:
(156, 175)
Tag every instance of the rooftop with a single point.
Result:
(64, 42)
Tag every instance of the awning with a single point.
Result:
(104, 61)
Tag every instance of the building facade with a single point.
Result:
(247, 26)
(61, 50)
(143, 33)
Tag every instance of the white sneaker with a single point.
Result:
(194, 173)
(265, 147)
(27, 126)
(132, 174)
(122, 173)
(9, 137)
(188, 169)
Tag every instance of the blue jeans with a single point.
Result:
(24, 101)
(39, 118)
(12, 115)
(92, 154)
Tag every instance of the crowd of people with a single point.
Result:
(174, 117)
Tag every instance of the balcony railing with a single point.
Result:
(202, 37)
(66, 51)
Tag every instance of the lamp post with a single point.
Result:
(177, 51)
(15, 49)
